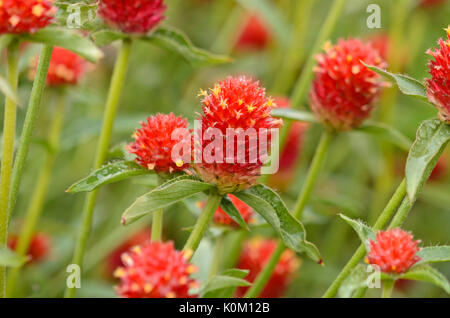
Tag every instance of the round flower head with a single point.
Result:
(221, 217)
(155, 270)
(114, 260)
(132, 16)
(254, 34)
(438, 87)
(234, 107)
(344, 89)
(155, 141)
(66, 68)
(25, 16)
(394, 251)
(255, 254)
(39, 246)
(291, 152)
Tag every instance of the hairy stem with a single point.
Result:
(388, 287)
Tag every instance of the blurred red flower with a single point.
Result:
(255, 34)
(39, 248)
(221, 217)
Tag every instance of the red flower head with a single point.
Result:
(39, 246)
(66, 68)
(221, 217)
(381, 42)
(114, 259)
(291, 152)
(438, 88)
(255, 254)
(254, 35)
(155, 270)
(431, 3)
(394, 251)
(237, 106)
(344, 89)
(132, 16)
(25, 16)
(154, 143)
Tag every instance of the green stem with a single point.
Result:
(388, 287)
(30, 121)
(40, 191)
(305, 194)
(202, 223)
(157, 224)
(112, 104)
(9, 135)
(383, 219)
(314, 170)
(401, 214)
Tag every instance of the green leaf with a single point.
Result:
(224, 285)
(434, 254)
(165, 195)
(76, 15)
(406, 84)
(293, 114)
(229, 208)
(357, 279)
(364, 232)
(428, 274)
(269, 205)
(432, 138)
(176, 41)
(387, 133)
(105, 37)
(7, 90)
(10, 259)
(68, 39)
(112, 172)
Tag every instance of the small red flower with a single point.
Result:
(132, 16)
(254, 35)
(344, 89)
(155, 270)
(154, 143)
(240, 106)
(66, 68)
(25, 16)
(291, 151)
(438, 88)
(431, 3)
(114, 259)
(39, 246)
(221, 217)
(394, 251)
(255, 254)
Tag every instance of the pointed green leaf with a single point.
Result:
(68, 39)
(432, 138)
(406, 84)
(176, 41)
(112, 172)
(163, 196)
(10, 259)
(224, 285)
(428, 274)
(364, 232)
(76, 15)
(229, 208)
(293, 114)
(105, 37)
(387, 133)
(434, 254)
(269, 205)
(7, 90)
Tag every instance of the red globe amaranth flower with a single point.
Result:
(291, 151)
(344, 89)
(394, 251)
(154, 143)
(25, 16)
(221, 217)
(255, 254)
(381, 42)
(155, 270)
(114, 260)
(132, 16)
(438, 87)
(39, 246)
(431, 3)
(66, 68)
(254, 35)
(236, 105)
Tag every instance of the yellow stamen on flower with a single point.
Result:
(148, 288)
(37, 10)
(202, 93)
(14, 20)
(119, 272)
(179, 163)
